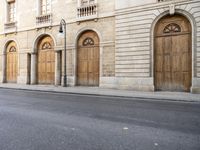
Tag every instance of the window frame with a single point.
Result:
(47, 8)
(11, 11)
(80, 4)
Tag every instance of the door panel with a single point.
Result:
(173, 59)
(46, 61)
(11, 63)
(88, 59)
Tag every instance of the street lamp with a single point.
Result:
(61, 30)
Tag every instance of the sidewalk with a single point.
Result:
(172, 96)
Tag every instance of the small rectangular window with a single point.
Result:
(45, 7)
(11, 12)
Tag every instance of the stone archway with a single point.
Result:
(88, 53)
(173, 54)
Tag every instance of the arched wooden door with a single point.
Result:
(46, 61)
(88, 59)
(11, 63)
(173, 54)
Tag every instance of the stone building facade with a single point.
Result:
(158, 45)
(37, 23)
(138, 45)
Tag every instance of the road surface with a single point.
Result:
(31, 120)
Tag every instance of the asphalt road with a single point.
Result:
(50, 121)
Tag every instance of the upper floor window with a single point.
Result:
(45, 7)
(87, 9)
(10, 22)
(44, 16)
(87, 2)
(11, 11)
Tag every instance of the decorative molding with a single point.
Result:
(172, 9)
(10, 27)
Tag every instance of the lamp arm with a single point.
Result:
(63, 22)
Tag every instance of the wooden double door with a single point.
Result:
(46, 61)
(88, 59)
(11, 63)
(173, 55)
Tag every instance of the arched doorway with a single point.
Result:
(88, 59)
(173, 54)
(11, 62)
(46, 61)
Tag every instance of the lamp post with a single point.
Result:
(61, 30)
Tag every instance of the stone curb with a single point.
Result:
(145, 98)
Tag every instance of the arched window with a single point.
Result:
(172, 28)
(46, 45)
(12, 49)
(88, 42)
